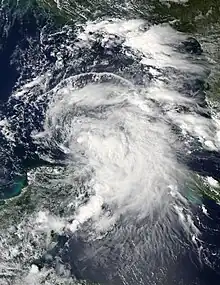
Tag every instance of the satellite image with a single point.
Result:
(109, 142)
